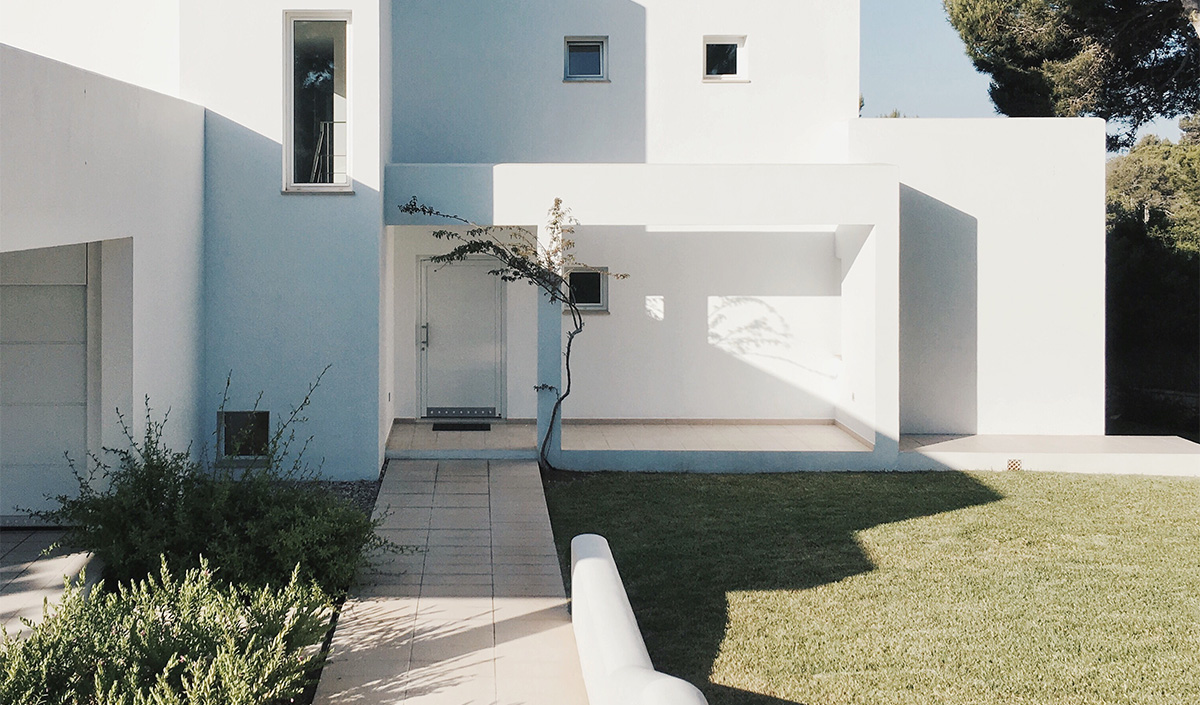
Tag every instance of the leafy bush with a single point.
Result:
(166, 641)
(254, 523)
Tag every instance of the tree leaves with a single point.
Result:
(1127, 61)
(1158, 184)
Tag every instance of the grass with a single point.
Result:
(906, 588)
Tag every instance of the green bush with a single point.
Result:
(168, 641)
(254, 523)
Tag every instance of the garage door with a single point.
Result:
(43, 374)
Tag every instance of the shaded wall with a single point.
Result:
(292, 280)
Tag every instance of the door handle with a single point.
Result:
(425, 336)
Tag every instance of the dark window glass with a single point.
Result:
(584, 60)
(721, 60)
(585, 288)
(319, 101)
(245, 433)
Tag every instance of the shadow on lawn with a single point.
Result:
(682, 542)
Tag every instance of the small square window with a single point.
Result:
(725, 59)
(585, 59)
(589, 288)
(720, 60)
(244, 434)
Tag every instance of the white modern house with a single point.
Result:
(200, 190)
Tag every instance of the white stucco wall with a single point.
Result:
(703, 328)
(84, 158)
(1002, 272)
(293, 280)
(483, 82)
(855, 246)
(116, 336)
(135, 41)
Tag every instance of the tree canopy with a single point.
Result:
(1127, 61)
(1158, 184)
(1153, 284)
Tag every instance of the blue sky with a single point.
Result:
(913, 61)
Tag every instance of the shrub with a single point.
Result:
(254, 523)
(163, 640)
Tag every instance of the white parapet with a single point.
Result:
(616, 666)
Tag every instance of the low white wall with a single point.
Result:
(84, 158)
(616, 666)
(1002, 272)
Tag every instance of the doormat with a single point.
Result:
(462, 427)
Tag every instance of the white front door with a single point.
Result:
(43, 375)
(461, 340)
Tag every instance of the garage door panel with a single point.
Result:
(43, 314)
(43, 374)
(26, 487)
(39, 435)
(49, 265)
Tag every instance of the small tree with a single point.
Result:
(522, 257)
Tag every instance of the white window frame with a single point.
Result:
(290, 17)
(743, 63)
(602, 306)
(595, 39)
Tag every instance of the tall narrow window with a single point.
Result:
(316, 154)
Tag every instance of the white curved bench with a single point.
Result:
(616, 666)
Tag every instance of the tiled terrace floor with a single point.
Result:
(27, 577)
(477, 614)
(679, 435)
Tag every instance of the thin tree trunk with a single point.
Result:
(556, 412)
(1191, 8)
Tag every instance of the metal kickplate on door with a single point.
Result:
(462, 412)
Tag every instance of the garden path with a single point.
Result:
(475, 613)
(28, 578)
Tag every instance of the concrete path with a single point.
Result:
(476, 613)
(28, 578)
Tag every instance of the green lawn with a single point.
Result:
(906, 588)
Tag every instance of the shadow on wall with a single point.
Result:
(701, 330)
(698, 539)
(292, 286)
(512, 104)
(939, 317)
